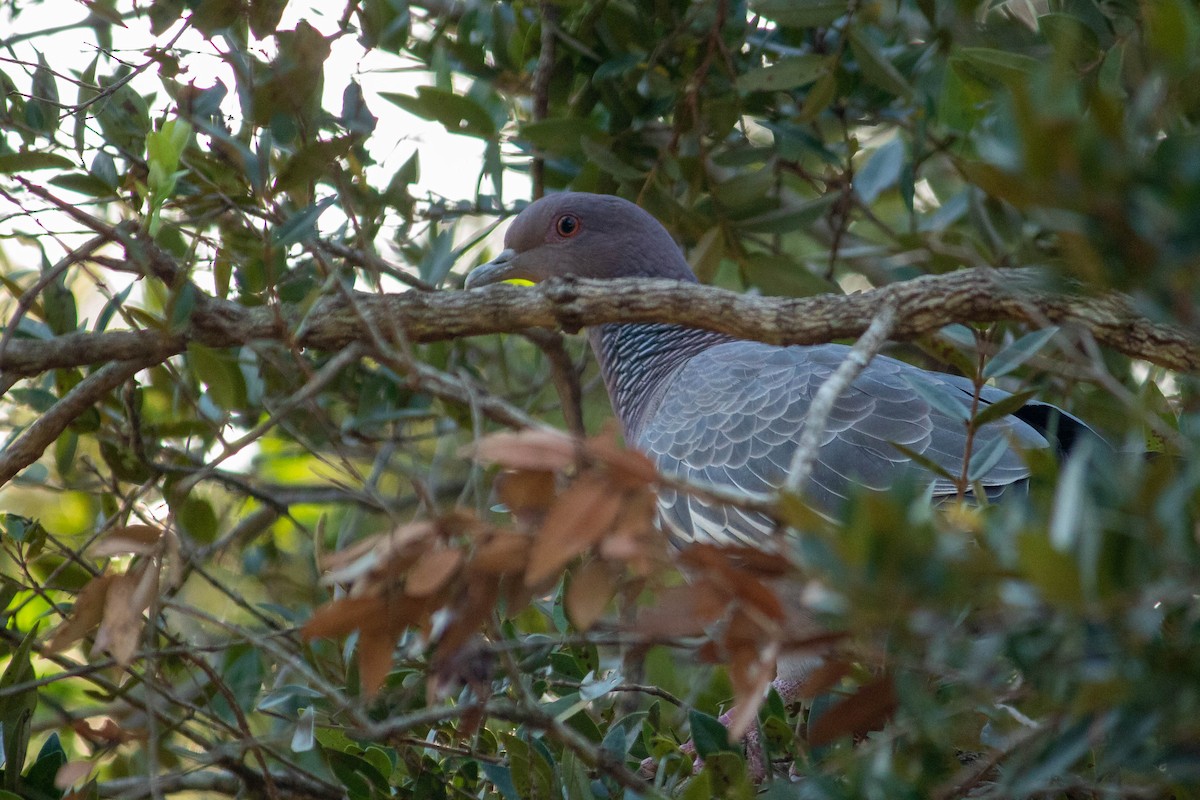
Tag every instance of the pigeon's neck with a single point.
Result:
(637, 361)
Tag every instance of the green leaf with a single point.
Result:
(992, 66)
(882, 170)
(124, 119)
(925, 462)
(1017, 353)
(789, 217)
(39, 780)
(945, 399)
(801, 13)
(88, 185)
(787, 73)
(991, 412)
(876, 68)
(604, 158)
(16, 709)
(219, 372)
(44, 97)
(501, 778)
(301, 225)
(1071, 38)
(559, 135)
(783, 276)
(986, 457)
(302, 737)
(58, 307)
(708, 734)
(15, 163)
(818, 97)
(456, 112)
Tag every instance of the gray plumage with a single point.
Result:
(723, 411)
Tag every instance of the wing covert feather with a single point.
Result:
(733, 416)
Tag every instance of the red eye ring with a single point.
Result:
(567, 225)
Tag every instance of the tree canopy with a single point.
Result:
(286, 514)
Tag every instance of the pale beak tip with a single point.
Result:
(491, 272)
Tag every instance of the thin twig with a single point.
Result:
(822, 405)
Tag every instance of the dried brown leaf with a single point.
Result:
(86, 615)
(823, 678)
(708, 559)
(630, 467)
(146, 588)
(174, 558)
(340, 617)
(107, 734)
(865, 710)
(681, 611)
(751, 668)
(473, 608)
(525, 490)
(71, 773)
(636, 540)
(504, 553)
(137, 540)
(589, 592)
(532, 449)
(374, 659)
(432, 571)
(582, 514)
(371, 614)
(122, 623)
(392, 553)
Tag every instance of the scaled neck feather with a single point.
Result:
(637, 361)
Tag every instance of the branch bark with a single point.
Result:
(30, 445)
(923, 305)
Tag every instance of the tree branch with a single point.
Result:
(30, 445)
(923, 305)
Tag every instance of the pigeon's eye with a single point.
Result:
(567, 225)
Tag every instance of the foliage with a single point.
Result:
(165, 612)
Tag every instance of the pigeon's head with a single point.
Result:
(587, 235)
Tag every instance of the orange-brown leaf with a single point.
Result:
(681, 611)
(536, 449)
(504, 553)
(746, 586)
(582, 515)
(751, 669)
(525, 491)
(477, 606)
(432, 571)
(587, 595)
(137, 540)
(340, 617)
(107, 734)
(86, 615)
(865, 710)
(631, 467)
(823, 678)
(374, 659)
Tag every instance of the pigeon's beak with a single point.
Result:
(500, 268)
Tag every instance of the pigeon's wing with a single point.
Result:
(733, 416)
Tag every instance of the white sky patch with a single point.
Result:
(449, 163)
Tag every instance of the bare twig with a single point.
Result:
(822, 405)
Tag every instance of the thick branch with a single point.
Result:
(30, 445)
(923, 305)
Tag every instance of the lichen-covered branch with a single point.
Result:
(923, 305)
